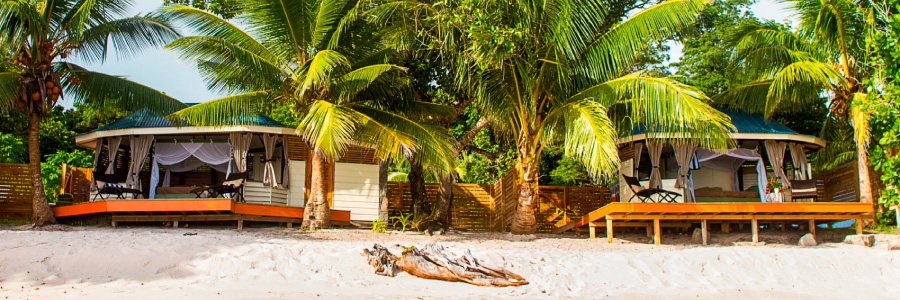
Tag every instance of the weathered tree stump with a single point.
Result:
(433, 262)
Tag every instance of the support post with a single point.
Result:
(726, 227)
(174, 224)
(114, 224)
(859, 226)
(783, 225)
(656, 232)
(704, 232)
(609, 230)
(593, 229)
(812, 227)
(240, 224)
(754, 229)
(290, 225)
(649, 230)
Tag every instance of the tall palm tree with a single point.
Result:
(344, 92)
(551, 72)
(784, 70)
(41, 35)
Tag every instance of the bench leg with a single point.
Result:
(754, 229)
(609, 230)
(174, 224)
(240, 225)
(812, 227)
(704, 232)
(859, 226)
(656, 232)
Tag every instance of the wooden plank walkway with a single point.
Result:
(192, 210)
(703, 212)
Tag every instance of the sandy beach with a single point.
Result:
(271, 263)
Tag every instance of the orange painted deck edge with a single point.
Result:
(199, 205)
(725, 208)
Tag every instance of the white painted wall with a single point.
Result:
(356, 190)
(297, 194)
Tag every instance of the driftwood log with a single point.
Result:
(433, 262)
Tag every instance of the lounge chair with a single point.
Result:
(804, 189)
(112, 185)
(644, 194)
(233, 187)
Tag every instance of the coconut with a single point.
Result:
(36, 96)
(20, 104)
(49, 84)
(56, 90)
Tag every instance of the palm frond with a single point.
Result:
(18, 20)
(587, 134)
(10, 84)
(859, 120)
(127, 36)
(355, 81)
(101, 90)
(317, 71)
(226, 111)
(815, 76)
(393, 135)
(208, 24)
(328, 128)
(284, 25)
(221, 60)
(613, 50)
(664, 108)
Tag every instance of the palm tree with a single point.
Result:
(550, 73)
(40, 35)
(784, 71)
(344, 92)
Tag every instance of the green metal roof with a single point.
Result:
(143, 119)
(744, 122)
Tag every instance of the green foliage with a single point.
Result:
(885, 104)
(226, 9)
(51, 168)
(379, 225)
(12, 149)
(404, 220)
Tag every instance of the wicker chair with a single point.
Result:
(804, 189)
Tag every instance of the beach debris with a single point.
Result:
(190, 233)
(434, 262)
(807, 240)
(866, 240)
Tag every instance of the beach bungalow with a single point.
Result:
(254, 172)
(766, 177)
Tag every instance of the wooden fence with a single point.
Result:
(15, 192)
(77, 182)
(490, 207)
(841, 184)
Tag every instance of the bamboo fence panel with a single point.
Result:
(16, 192)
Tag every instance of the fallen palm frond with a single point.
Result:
(433, 262)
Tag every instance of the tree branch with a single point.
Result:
(485, 153)
(465, 139)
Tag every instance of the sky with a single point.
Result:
(162, 70)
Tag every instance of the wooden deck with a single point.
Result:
(642, 214)
(194, 210)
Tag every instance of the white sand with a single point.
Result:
(150, 263)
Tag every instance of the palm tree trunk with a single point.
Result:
(523, 220)
(865, 183)
(317, 214)
(382, 191)
(417, 189)
(444, 200)
(41, 213)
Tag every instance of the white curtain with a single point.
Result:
(97, 151)
(189, 164)
(775, 152)
(655, 150)
(269, 170)
(638, 148)
(140, 147)
(286, 173)
(683, 154)
(799, 160)
(732, 160)
(170, 155)
(114, 143)
(240, 145)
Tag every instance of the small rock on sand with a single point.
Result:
(697, 237)
(866, 240)
(808, 240)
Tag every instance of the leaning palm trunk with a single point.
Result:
(441, 210)
(317, 214)
(41, 213)
(865, 183)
